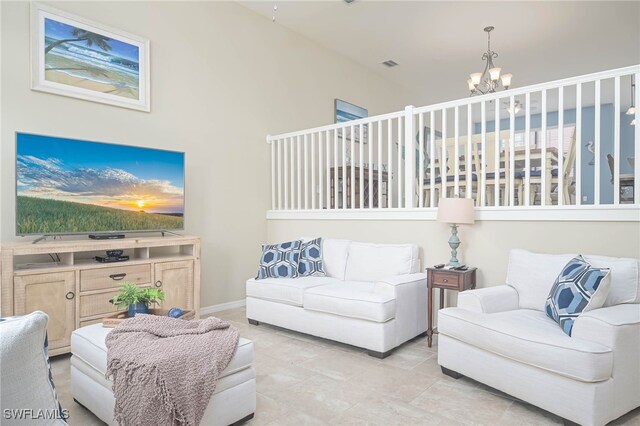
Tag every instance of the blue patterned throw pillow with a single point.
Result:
(279, 260)
(579, 288)
(310, 264)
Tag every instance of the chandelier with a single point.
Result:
(490, 79)
(632, 108)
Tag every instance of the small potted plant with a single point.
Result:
(137, 299)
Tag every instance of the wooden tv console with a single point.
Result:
(75, 290)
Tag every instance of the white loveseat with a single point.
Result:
(501, 336)
(373, 297)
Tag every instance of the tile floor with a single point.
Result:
(311, 381)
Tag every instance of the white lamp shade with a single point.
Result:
(631, 110)
(471, 85)
(456, 210)
(495, 73)
(475, 77)
(506, 79)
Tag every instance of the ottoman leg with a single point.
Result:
(242, 420)
(253, 322)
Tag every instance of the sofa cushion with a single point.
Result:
(284, 290)
(533, 275)
(88, 344)
(354, 299)
(530, 337)
(334, 257)
(373, 262)
(579, 288)
(625, 278)
(310, 263)
(279, 260)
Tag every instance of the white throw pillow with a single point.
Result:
(334, 257)
(25, 382)
(625, 278)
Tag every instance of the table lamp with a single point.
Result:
(455, 211)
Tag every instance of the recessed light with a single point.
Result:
(390, 63)
(349, 1)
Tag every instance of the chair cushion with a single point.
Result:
(279, 260)
(88, 343)
(530, 337)
(363, 300)
(579, 288)
(334, 257)
(310, 262)
(374, 262)
(25, 375)
(284, 290)
(533, 275)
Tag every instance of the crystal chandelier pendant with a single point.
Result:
(491, 79)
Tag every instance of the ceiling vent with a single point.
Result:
(349, 1)
(390, 63)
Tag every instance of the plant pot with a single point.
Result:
(137, 308)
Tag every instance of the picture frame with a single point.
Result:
(346, 111)
(73, 56)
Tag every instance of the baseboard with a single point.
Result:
(206, 310)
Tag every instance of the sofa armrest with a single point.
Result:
(489, 300)
(404, 279)
(606, 325)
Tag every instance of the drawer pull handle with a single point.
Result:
(158, 284)
(445, 280)
(117, 277)
(70, 295)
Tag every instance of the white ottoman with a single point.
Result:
(233, 402)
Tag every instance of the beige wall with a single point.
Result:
(485, 244)
(222, 78)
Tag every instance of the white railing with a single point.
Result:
(559, 150)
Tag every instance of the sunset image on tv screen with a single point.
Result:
(72, 186)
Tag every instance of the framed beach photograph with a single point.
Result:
(345, 111)
(72, 56)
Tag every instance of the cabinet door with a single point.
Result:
(53, 294)
(176, 280)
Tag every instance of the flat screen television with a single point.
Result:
(67, 186)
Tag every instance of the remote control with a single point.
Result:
(439, 266)
(461, 268)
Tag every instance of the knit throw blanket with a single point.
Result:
(164, 370)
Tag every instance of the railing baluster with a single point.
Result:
(273, 173)
(443, 160)
(344, 167)
(352, 183)
(560, 189)
(421, 168)
(578, 144)
(512, 147)
(596, 148)
(321, 169)
(306, 171)
(496, 155)
(379, 141)
(483, 155)
(370, 159)
(336, 171)
(527, 149)
(432, 161)
(328, 173)
(390, 161)
(299, 173)
(616, 141)
(456, 152)
(469, 155)
(400, 175)
(545, 172)
(280, 180)
(287, 163)
(636, 152)
(313, 172)
(361, 129)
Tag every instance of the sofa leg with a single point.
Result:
(381, 355)
(242, 420)
(450, 373)
(253, 322)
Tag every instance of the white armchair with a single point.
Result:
(590, 378)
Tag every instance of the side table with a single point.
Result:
(445, 279)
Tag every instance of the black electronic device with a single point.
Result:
(461, 268)
(439, 266)
(111, 259)
(114, 253)
(106, 236)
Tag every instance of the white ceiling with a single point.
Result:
(437, 44)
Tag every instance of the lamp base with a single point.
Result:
(454, 243)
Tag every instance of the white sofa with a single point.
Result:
(501, 336)
(373, 297)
